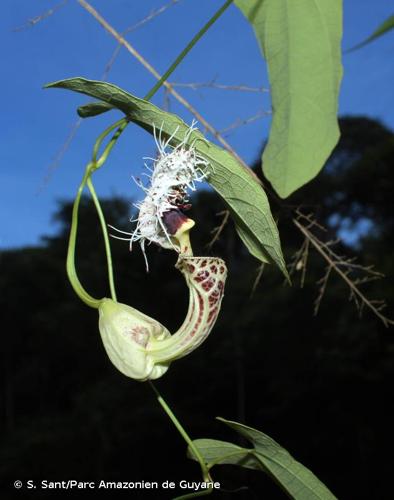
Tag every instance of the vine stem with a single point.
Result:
(204, 469)
(100, 140)
(105, 236)
(70, 263)
(187, 49)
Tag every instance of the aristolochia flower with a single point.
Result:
(141, 347)
(137, 345)
(172, 175)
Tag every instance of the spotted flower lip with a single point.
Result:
(142, 348)
(205, 277)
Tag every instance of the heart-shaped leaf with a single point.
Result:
(301, 43)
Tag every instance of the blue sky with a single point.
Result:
(70, 43)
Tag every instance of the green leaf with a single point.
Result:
(94, 109)
(386, 26)
(237, 185)
(301, 44)
(298, 481)
(217, 452)
(268, 456)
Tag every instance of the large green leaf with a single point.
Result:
(266, 455)
(301, 44)
(386, 26)
(234, 183)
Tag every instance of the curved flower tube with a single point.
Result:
(205, 277)
(140, 347)
(137, 345)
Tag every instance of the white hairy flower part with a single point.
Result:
(172, 175)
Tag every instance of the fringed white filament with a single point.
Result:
(172, 175)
